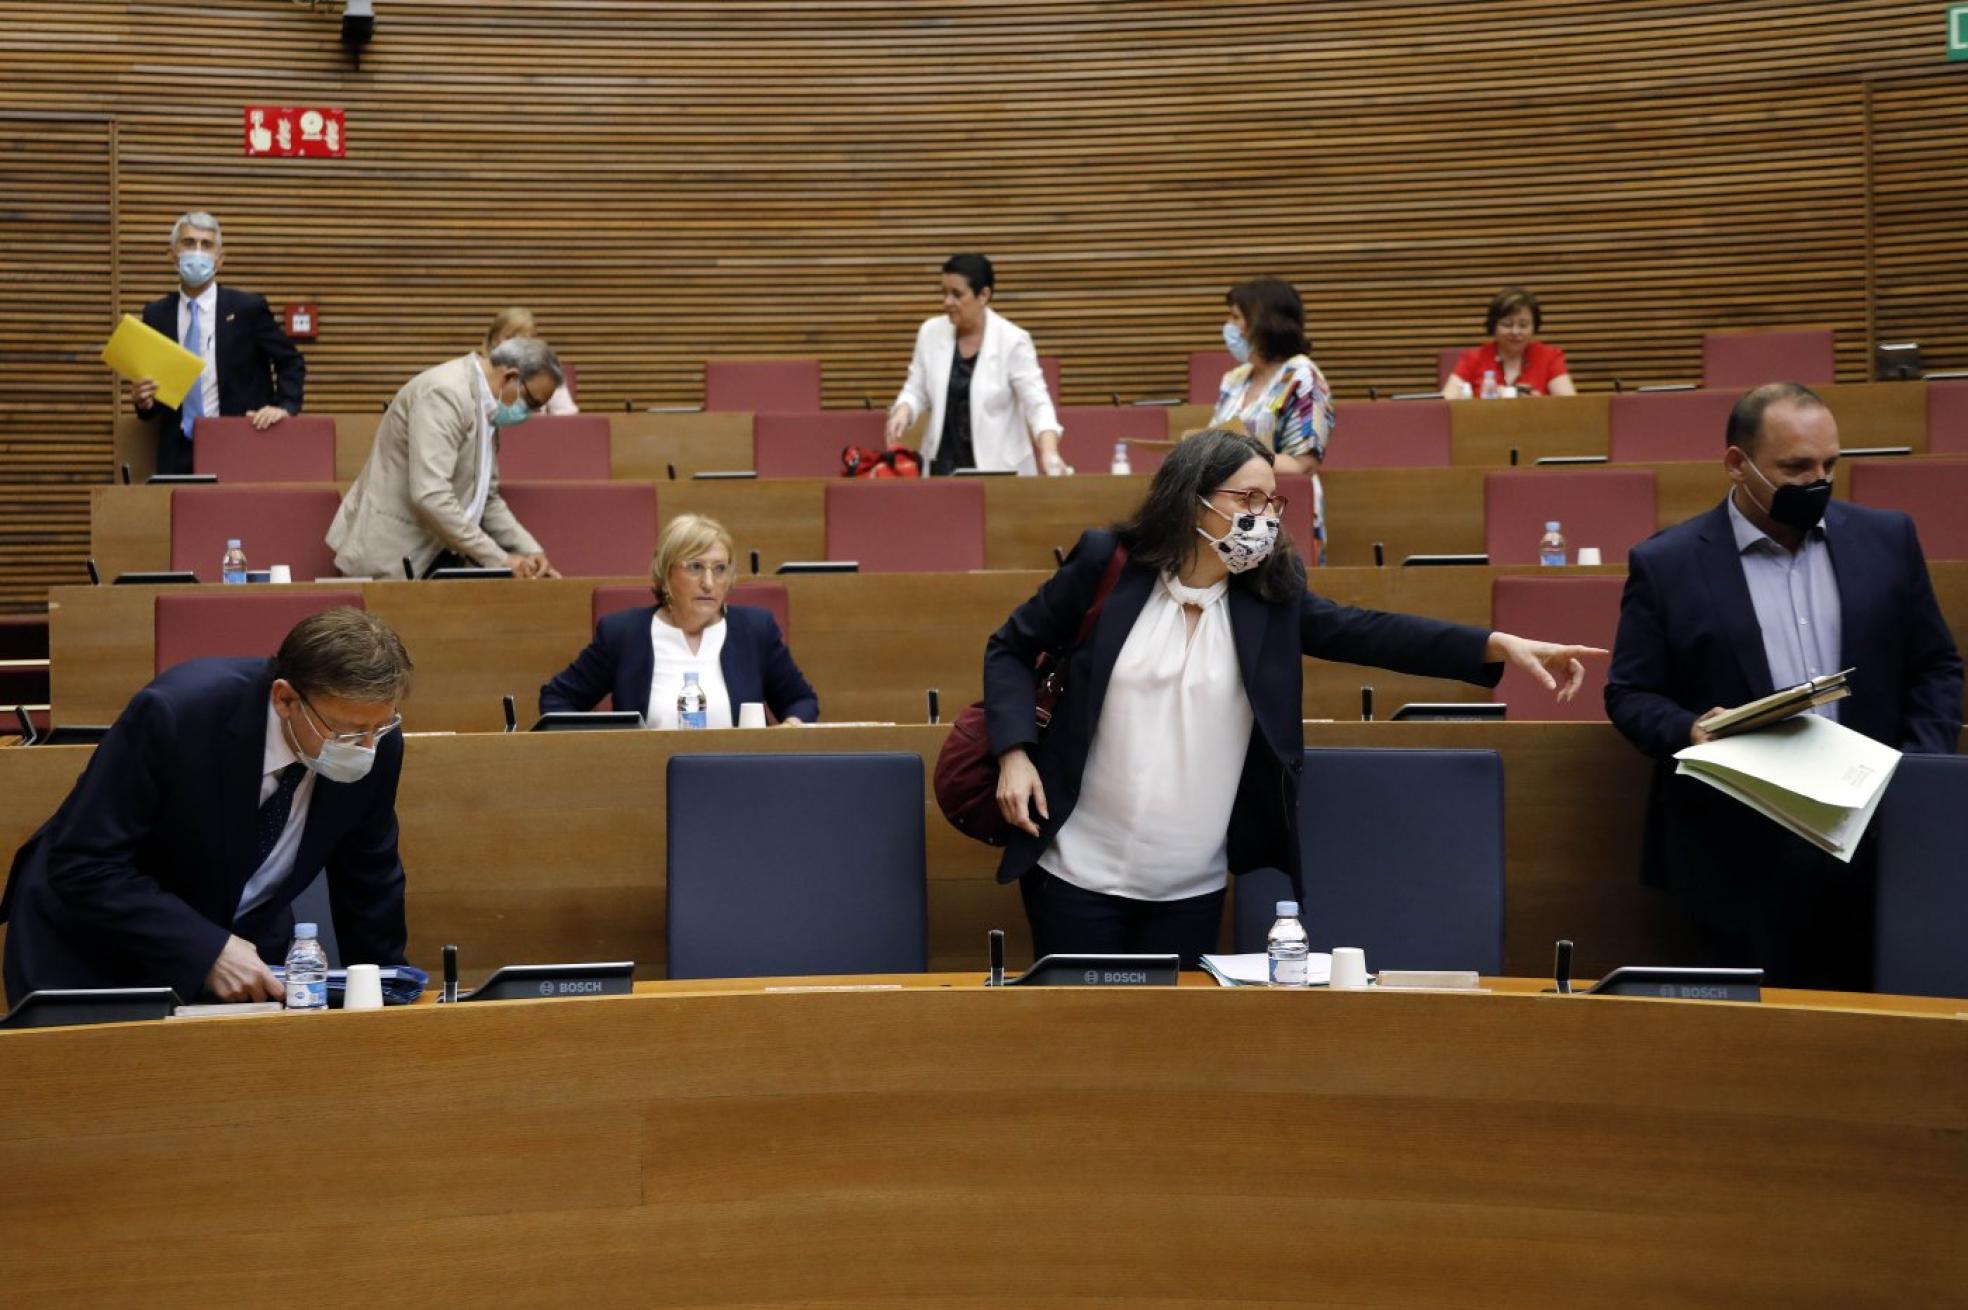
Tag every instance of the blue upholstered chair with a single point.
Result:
(1402, 853)
(796, 864)
(1923, 879)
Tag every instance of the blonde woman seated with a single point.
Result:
(640, 656)
(517, 322)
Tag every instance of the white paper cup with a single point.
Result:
(365, 988)
(1349, 967)
(279, 573)
(1589, 555)
(751, 715)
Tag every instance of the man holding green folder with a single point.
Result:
(1777, 585)
(251, 367)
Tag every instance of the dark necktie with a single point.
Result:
(275, 809)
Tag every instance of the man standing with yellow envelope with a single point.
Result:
(251, 367)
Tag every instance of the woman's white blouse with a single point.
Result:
(1153, 818)
(673, 660)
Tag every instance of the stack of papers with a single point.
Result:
(1815, 777)
(1255, 970)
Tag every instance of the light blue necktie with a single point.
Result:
(194, 401)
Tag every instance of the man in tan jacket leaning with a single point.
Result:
(429, 492)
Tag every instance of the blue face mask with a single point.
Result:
(511, 415)
(1234, 342)
(195, 267)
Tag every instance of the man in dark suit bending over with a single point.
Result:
(224, 787)
(1777, 584)
(251, 367)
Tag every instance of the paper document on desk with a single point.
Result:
(1254, 970)
(138, 351)
(1815, 777)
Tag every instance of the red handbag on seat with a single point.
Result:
(966, 770)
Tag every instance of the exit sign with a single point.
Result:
(1957, 31)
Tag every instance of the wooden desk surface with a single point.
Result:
(952, 1146)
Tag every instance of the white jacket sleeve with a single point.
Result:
(1028, 384)
(915, 389)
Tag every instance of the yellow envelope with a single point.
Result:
(138, 351)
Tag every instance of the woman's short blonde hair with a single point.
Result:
(687, 537)
(513, 322)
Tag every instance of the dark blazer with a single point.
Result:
(1271, 640)
(1688, 641)
(257, 363)
(620, 660)
(135, 880)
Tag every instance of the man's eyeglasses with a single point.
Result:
(1255, 501)
(698, 568)
(355, 738)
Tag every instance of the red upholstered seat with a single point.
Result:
(809, 445)
(1206, 370)
(556, 448)
(1296, 488)
(1583, 610)
(588, 529)
(246, 621)
(928, 526)
(1931, 490)
(274, 524)
(1091, 431)
(785, 386)
(300, 448)
(570, 378)
(1947, 418)
(1049, 368)
(1609, 508)
(1446, 360)
(1652, 427)
(1390, 434)
(770, 596)
(1749, 359)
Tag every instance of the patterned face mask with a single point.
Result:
(1249, 541)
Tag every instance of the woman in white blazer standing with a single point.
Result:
(977, 376)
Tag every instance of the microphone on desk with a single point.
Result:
(512, 712)
(1380, 554)
(1561, 968)
(95, 574)
(450, 991)
(1366, 703)
(755, 564)
(935, 706)
(997, 959)
(409, 570)
(125, 468)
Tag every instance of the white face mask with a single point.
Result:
(339, 761)
(1249, 541)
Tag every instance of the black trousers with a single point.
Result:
(1065, 918)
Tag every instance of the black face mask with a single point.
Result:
(1798, 506)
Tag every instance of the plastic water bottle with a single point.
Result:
(1551, 546)
(232, 566)
(692, 711)
(1120, 468)
(1289, 948)
(1489, 384)
(307, 971)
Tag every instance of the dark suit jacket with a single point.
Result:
(1271, 641)
(258, 365)
(135, 880)
(620, 660)
(1689, 641)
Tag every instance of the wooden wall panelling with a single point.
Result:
(1920, 194)
(1679, 166)
(54, 316)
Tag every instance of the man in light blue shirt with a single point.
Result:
(1777, 584)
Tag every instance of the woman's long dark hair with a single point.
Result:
(1162, 532)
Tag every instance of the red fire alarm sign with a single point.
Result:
(303, 322)
(284, 130)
